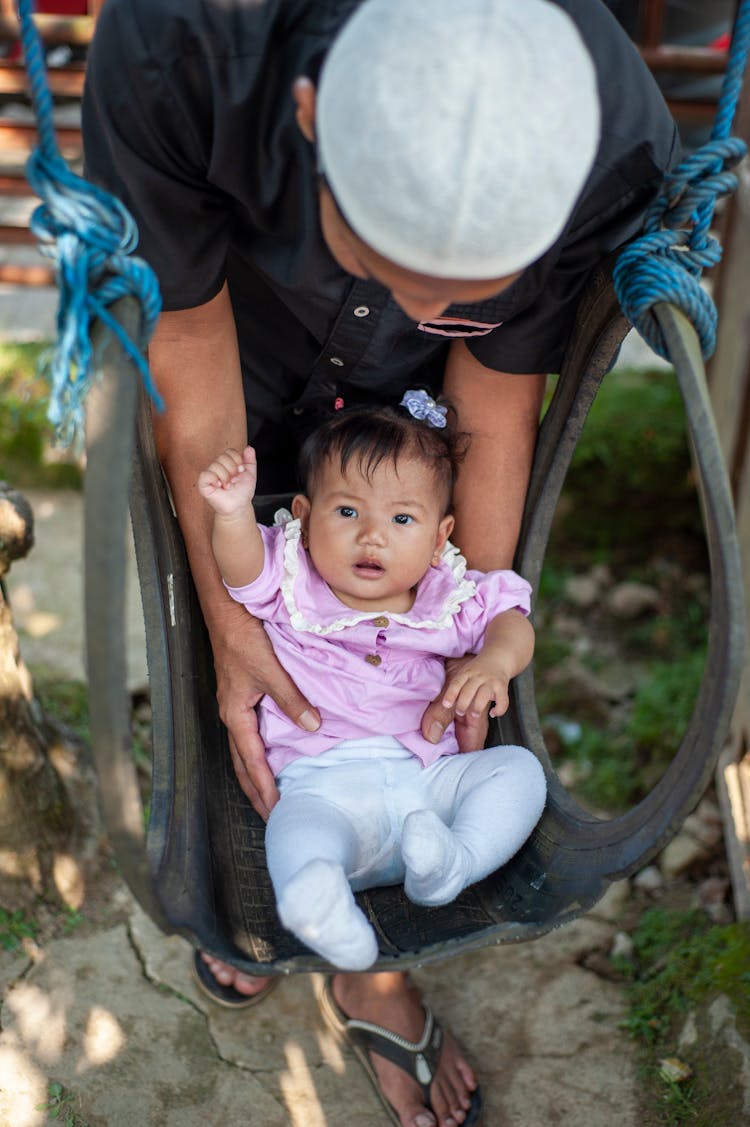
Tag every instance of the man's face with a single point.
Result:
(421, 296)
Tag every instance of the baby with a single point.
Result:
(364, 599)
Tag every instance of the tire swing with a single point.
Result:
(200, 871)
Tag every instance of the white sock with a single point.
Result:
(318, 906)
(438, 865)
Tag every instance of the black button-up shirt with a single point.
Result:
(189, 119)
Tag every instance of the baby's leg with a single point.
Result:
(310, 847)
(479, 809)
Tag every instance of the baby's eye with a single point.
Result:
(403, 518)
(346, 511)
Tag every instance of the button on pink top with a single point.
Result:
(367, 672)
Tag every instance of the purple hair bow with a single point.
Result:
(420, 405)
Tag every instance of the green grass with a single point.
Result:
(14, 928)
(26, 438)
(682, 960)
(66, 702)
(631, 468)
(58, 1106)
(682, 963)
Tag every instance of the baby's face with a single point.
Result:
(373, 540)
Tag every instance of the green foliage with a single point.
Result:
(25, 435)
(681, 960)
(663, 704)
(631, 470)
(15, 927)
(67, 702)
(677, 1102)
(57, 1099)
(72, 919)
(617, 764)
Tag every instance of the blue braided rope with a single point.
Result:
(90, 236)
(666, 262)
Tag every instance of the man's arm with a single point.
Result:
(500, 411)
(195, 363)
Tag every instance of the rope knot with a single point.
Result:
(90, 236)
(665, 263)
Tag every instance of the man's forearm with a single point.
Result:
(195, 363)
(501, 413)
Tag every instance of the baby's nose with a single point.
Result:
(373, 533)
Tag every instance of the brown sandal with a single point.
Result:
(418, 1058)
(226, 996)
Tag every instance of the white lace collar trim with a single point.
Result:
(456, 593)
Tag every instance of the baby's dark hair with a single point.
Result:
(371, 435)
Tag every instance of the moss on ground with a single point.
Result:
(682, 965)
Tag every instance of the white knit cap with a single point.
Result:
(456, 135)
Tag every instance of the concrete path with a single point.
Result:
(116, 1020)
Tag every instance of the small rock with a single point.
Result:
(622, 947)
(681, 854)
(601, 575)
(582, 591)
(583, 687)
(720, 914)
(566, 626)
(568, 774)
(613, 901)
(709, 812)
(707, 833)
(649, 879)
(689, 1034)
(600, 964)
(712, 891)
(630, 599)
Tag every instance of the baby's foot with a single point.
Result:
(318, 906)
(437, 863)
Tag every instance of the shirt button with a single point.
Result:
(337, 361)
(381, 620)
(362, 311)
(373, 659)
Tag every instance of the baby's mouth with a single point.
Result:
(369, 567)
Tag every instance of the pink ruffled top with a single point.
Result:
(367, 672)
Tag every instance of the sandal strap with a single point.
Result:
(418, 1058)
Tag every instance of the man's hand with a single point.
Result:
(247, 669)
(471, 729)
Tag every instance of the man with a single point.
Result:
(428, 213)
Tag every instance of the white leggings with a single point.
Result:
(367, 813)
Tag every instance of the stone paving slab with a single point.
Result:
(116, 1019)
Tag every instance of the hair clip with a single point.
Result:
(420, 406)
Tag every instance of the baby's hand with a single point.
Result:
(229, 483)
(474, 686)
